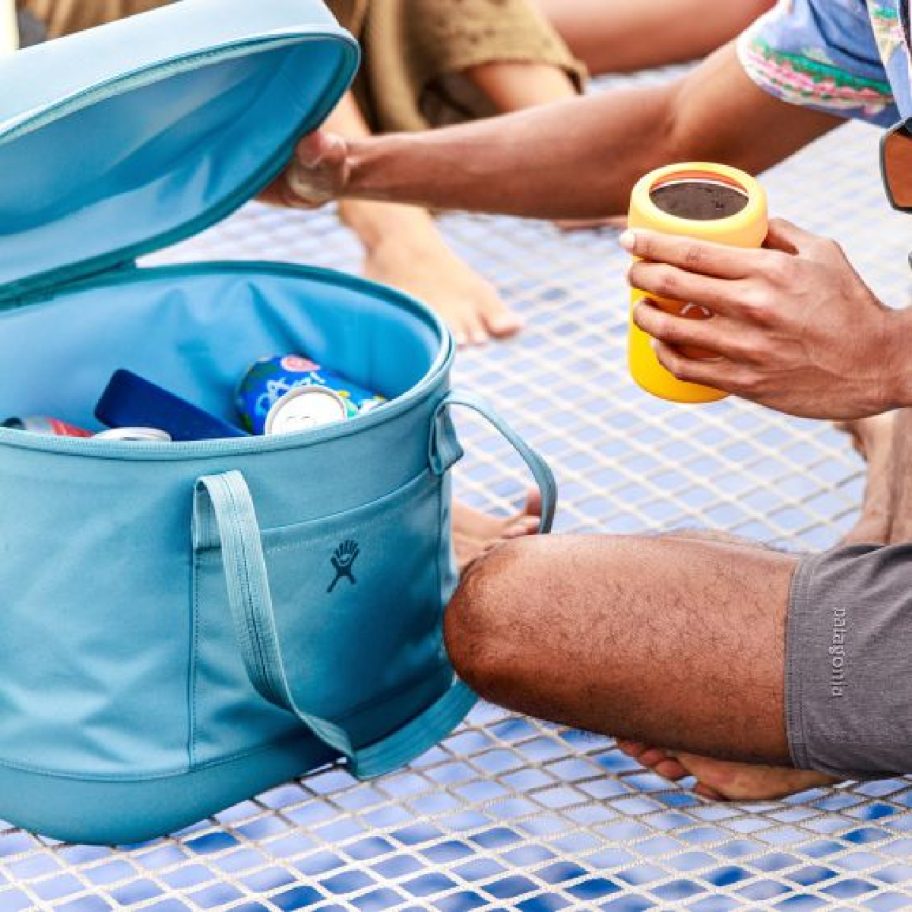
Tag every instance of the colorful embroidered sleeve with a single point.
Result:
(828, 55)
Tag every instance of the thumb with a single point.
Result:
(320, 150)
(319, 170)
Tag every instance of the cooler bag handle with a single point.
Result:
(444, 449)
(225, 500)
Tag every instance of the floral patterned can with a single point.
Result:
(271, 379)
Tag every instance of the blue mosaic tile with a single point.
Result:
(465, 901)
(550, 903)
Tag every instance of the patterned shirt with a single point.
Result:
(845, 57)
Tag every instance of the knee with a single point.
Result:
(480, 622)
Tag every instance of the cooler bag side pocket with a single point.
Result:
(337, 620)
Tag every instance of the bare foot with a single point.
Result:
(722, 780)
(426, 268)
(872, 438)
(476, 533)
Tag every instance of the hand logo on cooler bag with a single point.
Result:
(343, 559)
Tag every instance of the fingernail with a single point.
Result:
(506, 323)
(627, 240)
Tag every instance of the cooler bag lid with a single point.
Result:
(126, 138)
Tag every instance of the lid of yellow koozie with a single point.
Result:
(126, 138)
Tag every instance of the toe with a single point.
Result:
(519, 528)
(724, 780)
(631, 748)
(475, 332)
(710, 794)
(670, 769)
(498, 319)
(652, 756)
(462, 325)
(655, 759)
(503, 325)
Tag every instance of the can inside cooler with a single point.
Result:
(196, 330)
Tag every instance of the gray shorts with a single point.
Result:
(848, 687)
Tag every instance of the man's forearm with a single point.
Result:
(551, 162)
(581, 157)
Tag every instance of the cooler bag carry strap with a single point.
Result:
(223, 506)
(444, 450)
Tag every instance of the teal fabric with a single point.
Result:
(181, 114)
(129, 811)
(183, 624)
(404, 578)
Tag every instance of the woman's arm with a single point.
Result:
(620, 36)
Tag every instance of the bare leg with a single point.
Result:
(562, 628)
(514, 86)
(723, 780)
(901, 479)
(403, 248)
(874, 438)
(614, 36)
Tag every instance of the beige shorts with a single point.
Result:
(61, 17)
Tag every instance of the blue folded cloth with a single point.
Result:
(132, 401)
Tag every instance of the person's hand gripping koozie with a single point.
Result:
(700, 200)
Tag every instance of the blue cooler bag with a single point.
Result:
(172, 641)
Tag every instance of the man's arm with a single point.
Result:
(575, 159)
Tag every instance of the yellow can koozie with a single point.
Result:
(699, 200)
